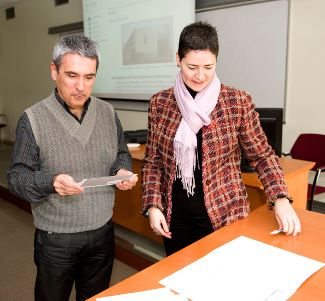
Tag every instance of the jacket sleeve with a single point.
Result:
(152, 169)
(260, 154)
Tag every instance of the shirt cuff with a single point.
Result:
(271, 202)
(48, 183)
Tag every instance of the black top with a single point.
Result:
(193, 203)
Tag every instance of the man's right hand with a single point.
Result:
(66, 185)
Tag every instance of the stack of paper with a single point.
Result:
(243, 269)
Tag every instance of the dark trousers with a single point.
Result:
(85, 258)
(189, 223)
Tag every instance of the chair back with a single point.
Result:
(310, 147)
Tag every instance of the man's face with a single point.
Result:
(75, 79)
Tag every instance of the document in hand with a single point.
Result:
(103, 181)
(243, 269)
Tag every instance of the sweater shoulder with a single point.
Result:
(227, 90)
(164, 93)
(38, 108)
(234, 97)
(102, 103)
(163, 98)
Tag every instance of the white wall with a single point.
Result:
(26, 47)
(305, 103)
(26, 51)
(133, 120)
(305, 74)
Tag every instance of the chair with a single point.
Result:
(311, 147)
(3, 123)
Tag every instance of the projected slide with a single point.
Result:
(138, 40)
(148, 42)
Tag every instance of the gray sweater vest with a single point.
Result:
(85, 150)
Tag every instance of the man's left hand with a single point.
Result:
(126, 185)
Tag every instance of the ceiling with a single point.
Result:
(8, 2)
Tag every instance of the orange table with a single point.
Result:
(128, 204)
(309, 243)
(296, 177)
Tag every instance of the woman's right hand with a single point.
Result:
(158, 223)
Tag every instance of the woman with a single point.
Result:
(191, 176)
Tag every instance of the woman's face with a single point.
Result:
(197, 68)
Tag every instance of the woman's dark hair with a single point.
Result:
(198, 36)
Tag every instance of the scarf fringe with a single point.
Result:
(185, 167)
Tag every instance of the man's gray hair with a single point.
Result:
(78, 45)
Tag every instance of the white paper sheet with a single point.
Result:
(133, 144)
(103, 181)
(160, 294)
(243, 269)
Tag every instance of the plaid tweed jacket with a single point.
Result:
(234, 123)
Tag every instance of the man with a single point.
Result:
(61, 140)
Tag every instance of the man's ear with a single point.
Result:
(54, 71)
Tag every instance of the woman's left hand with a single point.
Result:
(287, 217)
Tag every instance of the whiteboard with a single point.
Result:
(253, 49)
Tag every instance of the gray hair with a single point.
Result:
(78, 45)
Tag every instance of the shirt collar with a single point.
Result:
(67, 108)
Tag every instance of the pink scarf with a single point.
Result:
(195, 114)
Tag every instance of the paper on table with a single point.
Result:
(133, 144)
(243, 269)
(103, 181)
(160, 294)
